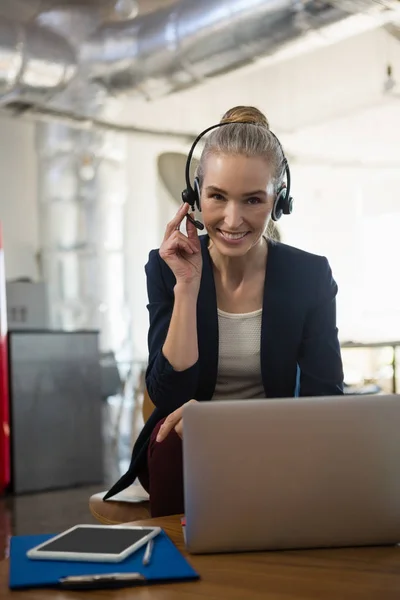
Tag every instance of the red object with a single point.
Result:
(4, 386)
(163, 477)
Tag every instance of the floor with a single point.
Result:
(54, 511)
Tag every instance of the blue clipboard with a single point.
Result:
(167, 565)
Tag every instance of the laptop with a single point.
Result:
(292, 473)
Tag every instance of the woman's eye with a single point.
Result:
(253, 200)
(217, 197)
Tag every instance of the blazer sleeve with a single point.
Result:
(320, 362)
(167, 388)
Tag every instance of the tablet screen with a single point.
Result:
(96, 540)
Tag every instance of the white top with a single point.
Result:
(239, 368)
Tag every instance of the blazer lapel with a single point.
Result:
(207, 327)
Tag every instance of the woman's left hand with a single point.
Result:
(173, 421)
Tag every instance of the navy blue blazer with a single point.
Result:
(300, 352)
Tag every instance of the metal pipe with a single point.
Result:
(82, 122)
(35, 62)
(177, 47)
(155, 54)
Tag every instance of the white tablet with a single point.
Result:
(94, 543)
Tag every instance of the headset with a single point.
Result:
(283, 203)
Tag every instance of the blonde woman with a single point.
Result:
(233, 314)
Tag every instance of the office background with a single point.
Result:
(98, 109)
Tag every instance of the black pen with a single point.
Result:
(99, 581)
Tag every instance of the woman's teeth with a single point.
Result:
(233, 236)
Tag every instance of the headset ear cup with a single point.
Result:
(278, 208)
(186, 196)
(288, 206)
(190, 197)
(196, 188)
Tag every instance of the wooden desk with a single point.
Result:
(348, 574)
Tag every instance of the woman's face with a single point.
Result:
(236, 201)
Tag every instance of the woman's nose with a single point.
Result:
(233, 216)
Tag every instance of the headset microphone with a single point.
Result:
(197, 224)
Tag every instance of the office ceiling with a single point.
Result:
(316, 95)
(329, 107)
(26, 10)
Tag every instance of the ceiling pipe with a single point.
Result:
(176, 48)
(35, 62)
(64, 57)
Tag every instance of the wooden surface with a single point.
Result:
(348, 574)
(148, 406)
(130, 505)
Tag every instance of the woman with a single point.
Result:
(233, 315)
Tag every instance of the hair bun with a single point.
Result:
(246, 114)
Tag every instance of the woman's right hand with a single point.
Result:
(173, 421)
(182, 253)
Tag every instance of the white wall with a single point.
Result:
(307, 89)
(148, 210)
(18, 209)
(352, 216)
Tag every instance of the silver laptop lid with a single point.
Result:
(292, 473)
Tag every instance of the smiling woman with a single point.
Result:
(233, 314)
(236, 201)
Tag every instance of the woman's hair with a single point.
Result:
(253, 138)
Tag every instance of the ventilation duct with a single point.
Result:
(154, 54)
(175, 48)
(35, 63)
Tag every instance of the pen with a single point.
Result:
(95, 581)
(148, 552)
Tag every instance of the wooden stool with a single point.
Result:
(131, 504)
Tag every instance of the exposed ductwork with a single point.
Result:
(173, 49)
(35, 62)
(178, 47)
(154, 54)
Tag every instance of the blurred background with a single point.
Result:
(99, 103)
